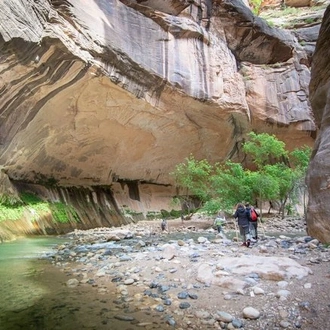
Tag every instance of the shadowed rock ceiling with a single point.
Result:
(114, 90)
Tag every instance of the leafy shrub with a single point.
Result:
(255, 5)
(64, 213)
(33, 207)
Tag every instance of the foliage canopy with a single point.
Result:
(278, 176)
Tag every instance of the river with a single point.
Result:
(22, 263)
(34, 294)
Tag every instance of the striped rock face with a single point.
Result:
(318, 178)
(127, 91)
(113, 92)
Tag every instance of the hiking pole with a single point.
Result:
(262, 227)
(236, 230)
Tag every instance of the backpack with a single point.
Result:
(219, 221)
(253, 215)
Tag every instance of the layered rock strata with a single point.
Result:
(110, 93)
(318, 179)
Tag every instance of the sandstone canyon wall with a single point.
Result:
(115, 93)
(318, 178)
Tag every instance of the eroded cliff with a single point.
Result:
(117, 93)
(319, 170)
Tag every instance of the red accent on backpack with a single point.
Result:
(254, 216)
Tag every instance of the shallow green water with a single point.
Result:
(19, 267)
(33, 294)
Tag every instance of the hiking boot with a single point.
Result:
(248, 243)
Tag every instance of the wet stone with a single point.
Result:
(159, 308)
(170, 321)
(285, 244)
(125, 258)
(124, 317)
(167, 302)
(147, 293)
(163, 288)
(224, 316)
(184, 305)
(284, 324)
(237, 323)
(129, 281)
(183, 295)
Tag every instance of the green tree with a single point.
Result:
(284, 177)
(255, 6)
(193, 176)
(229, 185)
(263, 187)
(265, 149)
(278, 176)
(299, 158)
(283, 172)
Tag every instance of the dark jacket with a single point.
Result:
(242, 216)
(248, 212)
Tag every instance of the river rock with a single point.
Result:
(251, 313)
(72, 283)
(271, 268)
(124, 317)
(201, 314)
(283, 293)
(169, 251)
(129, 281)
(202, 240)
(258, 291)
(284, 324)
(224, 317)
(282, 284)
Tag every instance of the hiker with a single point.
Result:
(219, 221)
(163, 225)
(243, 223)
(254, 215)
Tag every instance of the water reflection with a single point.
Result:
(34, 294)
(19, 268)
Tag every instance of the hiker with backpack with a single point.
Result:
(243, 218)
(219, 221)
(163, 225)
(254, 215)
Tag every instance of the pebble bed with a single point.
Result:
(157, 280)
